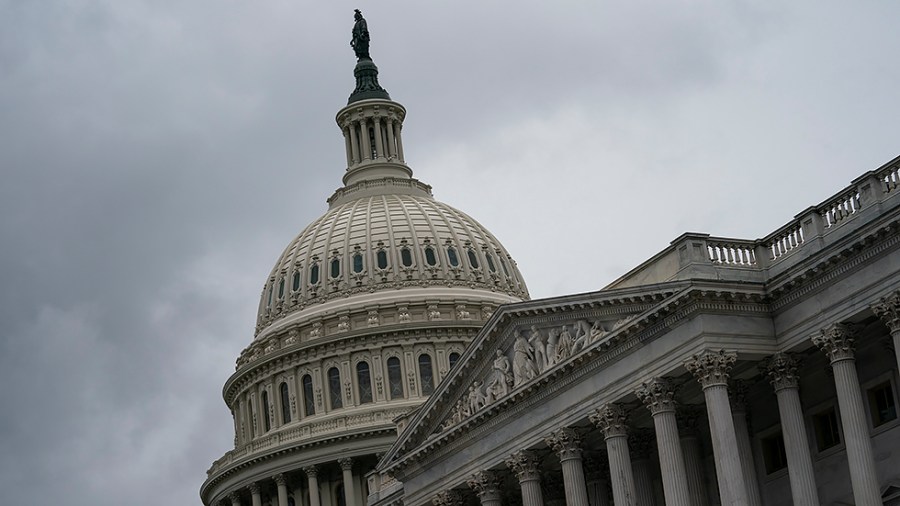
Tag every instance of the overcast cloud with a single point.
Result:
(156, 156)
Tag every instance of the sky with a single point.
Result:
(157, 156)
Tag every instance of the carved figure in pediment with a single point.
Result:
(622, 321)
(523, 361)
(552, 343)
(597, 331)
(565, 345)
(476, 397)
(582, 335)
(536, 340)
(501, 378)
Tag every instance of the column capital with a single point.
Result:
(311, 471)
(346, 464)
(836, 341)
(640, 443)
(525, 465)
(235, 498)
(448, 498)
(280, 479)
(711, 368)
(254, 488)
(888, 309)
(781, 369)
(566, 442)
(658, 395)
(611, 420)
(486, 484)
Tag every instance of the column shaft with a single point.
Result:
(693, 464)
(671, 459)
(597, 495)
(347, 146)
(392, 147)
(399, 137)
(313, 489)
(620, 473)
(379, 143)
(725, 447)
(354, 144)
(366, 140)
(349, 490)
(573, 480)
(531, 492)
(282, 494)
(796, 446)
(742, 432)
(863, 477)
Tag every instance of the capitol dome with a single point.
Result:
(363, 314)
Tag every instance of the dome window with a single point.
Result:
(490, 262)
(430, 257)
(309, 402)
(281, 289)
(454, 358)
(395, 378)
(357, 263)
(314, 274)
(269, 298)
(265, 413)
(503, 265)
(473, 258)
(382, 259)
(335, 267)
(364, 379)
(406, 257)
(452, 257)
(285, 403)
(334, 388)
(296, 281)
(426, 373)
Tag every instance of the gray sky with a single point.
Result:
(156, 156)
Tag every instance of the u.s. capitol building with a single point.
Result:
(398, 359)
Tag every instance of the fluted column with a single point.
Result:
(349, 489)
(448, 498)
(837, 343)
(398, 135)
(888, 309)
(347, 148)
(567, 445)
(659, 397)
(312, 474)
(235, 499)
(392, 146)
(281, 482)
(486, 485)
(688, 428)
(526, 466)
(366, 143)
(738, 401)
(640, 442)
(354, 144)
(379, 142)
(611, 420)
(255, 497)
(711, 369)
(781, 370)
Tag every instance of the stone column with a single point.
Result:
(312, 474)
(659, 397)
(349, 491)
(837, 342)
(738, 401)
(397, 134)
(526, 467)
(611, 420)
(354, 144)
(281, 481)
(448, 498)
(347, 147)
(689, 430)
(235, 499)
(888, 309)
(366, 141)
(392, 147)
(711, 369)
(379, 142)
(597, 477)
(782, 372)
(641, 443)
(255, 497)
(486, 485)
(567, 445)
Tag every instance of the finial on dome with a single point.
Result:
(366, 72)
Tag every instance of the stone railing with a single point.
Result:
(732, 251)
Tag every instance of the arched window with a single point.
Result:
(314, 274)
(490, 262)
(265, 413)
(452, 257)
(269, 299)
(382, 259)
(296, 283)
(309, 402)
(454, 358)
(357, 263)
(406, 257)
(335, 268)
(281, 288)
(395, 378)
(364, 379)
(426, 374)
(285, 403)
(473, 258)
(503, 264)
(430, 257)
(334, 388)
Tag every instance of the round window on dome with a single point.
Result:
(430, 257)
(335, 268)
(406, 257)
(382, 259)
(473, 259)
(452, 256)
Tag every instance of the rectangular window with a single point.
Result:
(881, 404)
(774, 455)
(825, 424)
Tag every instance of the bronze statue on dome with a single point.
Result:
(360, 40)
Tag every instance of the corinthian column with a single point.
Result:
(255, 497)
(742, 432)
(782, 372)
(448, 498)
(837, 343)
(688, 416)
(235, 499)
(711, 370)
(526, 466)
(281, 481)
(888, 309)
(349, 489)
(611, 420)
(567, 445)
(312, 474)
(659, 397)
(486, 485)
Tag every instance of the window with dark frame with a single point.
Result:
(774, 455)
(825, 424)
(882, 405)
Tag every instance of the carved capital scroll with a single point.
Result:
(448, 498)
(566, 442)
(781, 369)
(711, 368)
(888, 309)
(611, 420)
(836, 341)
(525, 465)
(486, 485)
(658, 395)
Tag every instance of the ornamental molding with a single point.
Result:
(837, 342)
(565, 442)
(525, 465)
(486, 484)
(711, 368)
(611, 419)
(448, 498)
(658, 395)
(888, 310)
(781, 370)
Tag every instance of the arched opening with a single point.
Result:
(426, 374)
(334, 388)
(364, 379)
(395, 378)
(309, 402)
(285, 403)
